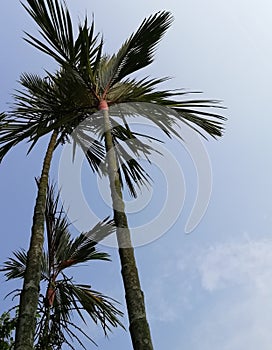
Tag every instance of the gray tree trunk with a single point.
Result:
(138, 324)
(25, 330)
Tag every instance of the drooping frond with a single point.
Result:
(129, 149)
(99, 307)
(129, 146)
(77, 300)
(35, 113)
(58, 102)
(165, 108)
(15, 267)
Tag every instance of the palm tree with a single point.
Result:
(32, 121)
(105, 82)
(61, 297)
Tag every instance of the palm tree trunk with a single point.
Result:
(138, 324)
(29, 296)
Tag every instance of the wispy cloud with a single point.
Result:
(237, 264)
(223, 292)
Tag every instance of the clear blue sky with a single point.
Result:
(212, 288)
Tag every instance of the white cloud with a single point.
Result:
(242, 264)
(221, 295)
(238, 277)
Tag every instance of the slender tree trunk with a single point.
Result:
(138, 324)
(25, 330)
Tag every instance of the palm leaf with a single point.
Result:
(101, 230)
(57, 102)
(80, 299)
(137, 52)
(99, 307)
(15, 267)
(161, 107)
(56, 28)
(79, 250)
(63, 250)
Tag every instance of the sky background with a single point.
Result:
(211, 288)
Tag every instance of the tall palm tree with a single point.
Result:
(105, 81)
(60, 297)
(31, 124)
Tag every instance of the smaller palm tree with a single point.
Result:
(62, 298)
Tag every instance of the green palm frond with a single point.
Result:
(130, 170)
(56, 28)
(56, 326)
(14, 130)
(101, 230)
(33, 115)
(168, 116)
(77, 299)
(15, 267)
(165, 107)
(87, 136)
(57, 227)
(137, 52)
(58, 102)
(129, 148)
(78, 250)
(64, 250)
(99, 307)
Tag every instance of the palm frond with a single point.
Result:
(63, 250)
(165, 107)
(58, 102)
(92, 148)
(33, 115)
(15, 266)
(82, 52)
(56, 28)
(137, 52)
(79, 250)
(100, 308)
(71, 299)
(129, 146)
(55, 326)
(101, 230)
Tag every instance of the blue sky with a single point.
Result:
(211, 288)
